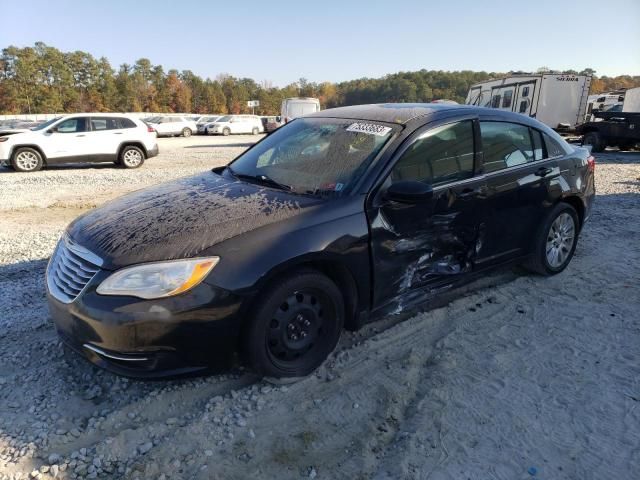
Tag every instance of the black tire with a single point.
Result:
(294, 326)
(255, 131)
(226, 132)
(131, 157)
(186, 132)
(26, 159)
(539, 261)
(595, 140)
(206, 131)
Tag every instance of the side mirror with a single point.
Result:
(52, 130)
(409, 191)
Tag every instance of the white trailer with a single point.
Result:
(631, 101)
(557, 100)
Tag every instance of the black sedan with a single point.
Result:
(332, 221)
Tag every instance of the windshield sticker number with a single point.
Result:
(370, 128)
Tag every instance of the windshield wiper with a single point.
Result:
(263, 179)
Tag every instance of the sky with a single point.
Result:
(282, 41)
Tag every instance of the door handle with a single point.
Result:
(469, 192)
(117, 133)
(543, 171)
(81, 135)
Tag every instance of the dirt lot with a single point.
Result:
(515, 377)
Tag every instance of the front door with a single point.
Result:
(68, 141)
(417, 247)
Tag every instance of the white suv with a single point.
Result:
(86, 137)
(170, 126)
(237, 124)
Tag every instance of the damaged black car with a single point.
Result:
(332, 221)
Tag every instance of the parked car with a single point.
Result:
(270, 124)
(333, 220)
(205, 122)
(87, 137)
(236, 124)
(169, 126)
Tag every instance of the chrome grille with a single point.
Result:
(70, 269)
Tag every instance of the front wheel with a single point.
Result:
(27, 160)
(294, 326)
(186, 132)
(555, 241)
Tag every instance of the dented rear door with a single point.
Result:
(418, 247)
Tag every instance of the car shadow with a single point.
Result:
(224, 145)
(68, 166)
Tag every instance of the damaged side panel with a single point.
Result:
(421, 248)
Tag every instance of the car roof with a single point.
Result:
(403, 113)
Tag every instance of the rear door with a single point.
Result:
(418, 247)
(522, 181)
(105, 136)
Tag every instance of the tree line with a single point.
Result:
(43, 79)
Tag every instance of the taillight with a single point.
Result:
(591, 163)
(149, 129)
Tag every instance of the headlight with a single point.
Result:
(157, 280)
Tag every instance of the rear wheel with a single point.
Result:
(294, 326)
(131, 157)
(555, 241)
(186, 132)
(27, 160)
(255, 131)
(226, 132)
(595, 140)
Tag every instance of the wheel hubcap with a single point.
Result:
(560, 240)
(132, 158)
(27, 160)
(296, 326)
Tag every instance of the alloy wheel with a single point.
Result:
(560, 240)
(27, 160)
(132, 158)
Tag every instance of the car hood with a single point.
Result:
(181, 219)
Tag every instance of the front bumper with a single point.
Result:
(191, 332)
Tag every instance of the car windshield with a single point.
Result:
(315, 155)
(44, 125)
(224, 119)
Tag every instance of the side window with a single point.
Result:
(126, 123)
(73, 125)
(495, 101)
(553, 148)
(441, 155)
(525, 92)
(505, 145)
(506, 100)
(523, 106)
(538, 147)
(98, 124)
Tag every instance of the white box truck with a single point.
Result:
(557, 100)
(297, 107)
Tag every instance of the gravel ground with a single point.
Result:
(514, 377)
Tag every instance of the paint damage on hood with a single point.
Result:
(180, 219)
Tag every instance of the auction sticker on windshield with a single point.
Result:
(370, 128)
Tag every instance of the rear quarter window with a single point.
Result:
(554, 149)
(126, 123)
